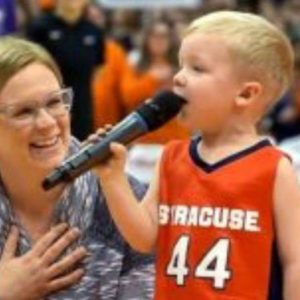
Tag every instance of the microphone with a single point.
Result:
(149, 116)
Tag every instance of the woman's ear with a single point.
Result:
(249, 92)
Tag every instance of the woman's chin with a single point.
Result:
(49, 164)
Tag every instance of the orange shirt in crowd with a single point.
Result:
(117, 91)
(136, 88)
(108, 107)
(46, 4)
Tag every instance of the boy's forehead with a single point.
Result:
(200, 42)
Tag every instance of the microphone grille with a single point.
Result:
(160, 109)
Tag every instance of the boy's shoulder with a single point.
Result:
(176, 148)
(181, 143)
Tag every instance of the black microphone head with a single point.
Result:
(160, 109)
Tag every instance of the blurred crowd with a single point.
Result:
(115, 59)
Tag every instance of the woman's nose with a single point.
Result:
(43, 118)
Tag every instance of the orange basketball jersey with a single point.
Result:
(216, 232)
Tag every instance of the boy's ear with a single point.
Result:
(249, 92)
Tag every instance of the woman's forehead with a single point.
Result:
(31, 81)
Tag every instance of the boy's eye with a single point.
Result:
(197, 68)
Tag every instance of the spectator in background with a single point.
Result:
(151, 69)
(108, 104)
(123, 84)
(215, 5)
(291, 12)
(10, 20)
(96, 14)
(78, 47)
(285, 120)
(125, 27)
(249, 5)
(46, 5)
(131, 81)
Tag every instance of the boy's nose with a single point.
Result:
(179, 79)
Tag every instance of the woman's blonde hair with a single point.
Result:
(17, 53)
(258, 47)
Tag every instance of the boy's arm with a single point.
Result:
(137, 221)
(287, 222)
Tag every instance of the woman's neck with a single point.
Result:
(33, 206)
(27, 195)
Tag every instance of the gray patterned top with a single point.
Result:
(113, 271)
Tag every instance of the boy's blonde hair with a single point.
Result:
(16, 54)
(258, 48)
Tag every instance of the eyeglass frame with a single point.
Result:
(37, 105)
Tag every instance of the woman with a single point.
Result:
(35, 138)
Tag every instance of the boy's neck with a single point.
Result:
(215, 148)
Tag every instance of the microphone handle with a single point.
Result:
(124, 132)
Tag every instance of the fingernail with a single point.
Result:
(76, 230)
(63, 225)
(81, 271)
(13, 228)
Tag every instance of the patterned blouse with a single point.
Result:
(113, 271)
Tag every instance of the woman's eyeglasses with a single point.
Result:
(55, 104)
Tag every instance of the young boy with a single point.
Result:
(221, 205)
